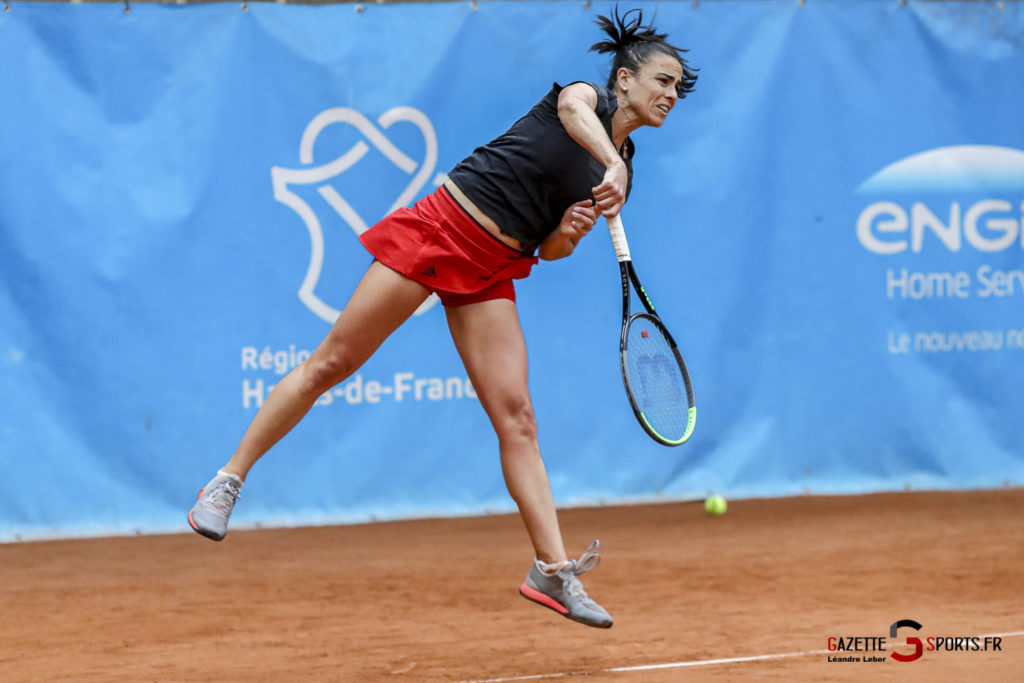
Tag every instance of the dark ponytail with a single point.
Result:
(633, 44)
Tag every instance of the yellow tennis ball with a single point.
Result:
(715, 505)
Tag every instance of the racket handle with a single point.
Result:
(619, 238)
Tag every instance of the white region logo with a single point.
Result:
(285, 179)
(987, 212)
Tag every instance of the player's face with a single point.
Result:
(653, 90)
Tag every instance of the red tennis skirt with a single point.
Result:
(437, 244)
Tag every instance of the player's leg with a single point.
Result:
(490, 342)
(383, 300)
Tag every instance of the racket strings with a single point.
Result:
(655, 379)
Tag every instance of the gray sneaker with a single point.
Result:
(209, 516)
(563, 591)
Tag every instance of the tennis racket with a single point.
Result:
(653, 372)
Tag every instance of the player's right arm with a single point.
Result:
(576, 110)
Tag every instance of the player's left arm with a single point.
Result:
(576, 222)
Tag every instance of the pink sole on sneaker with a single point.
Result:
(540, 598)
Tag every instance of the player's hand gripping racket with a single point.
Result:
(657, 384)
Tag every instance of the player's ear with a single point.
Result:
(624, 78)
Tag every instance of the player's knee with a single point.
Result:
(518, 420)
(325, 370)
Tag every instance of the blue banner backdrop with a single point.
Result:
(831, 224)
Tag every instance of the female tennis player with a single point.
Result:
(533, 192)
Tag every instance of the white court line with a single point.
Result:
(712, 662)
(691, 663)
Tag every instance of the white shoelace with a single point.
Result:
(223, 495)
(588, 560)
(574, 586)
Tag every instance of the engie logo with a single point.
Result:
(287, 181)
(948, 198)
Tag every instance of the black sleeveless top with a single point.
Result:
(526, 179)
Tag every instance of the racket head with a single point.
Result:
(657, 383)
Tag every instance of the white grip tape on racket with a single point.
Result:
(619, 238)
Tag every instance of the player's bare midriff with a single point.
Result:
(480, 217)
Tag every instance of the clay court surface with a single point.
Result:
(436, 600)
